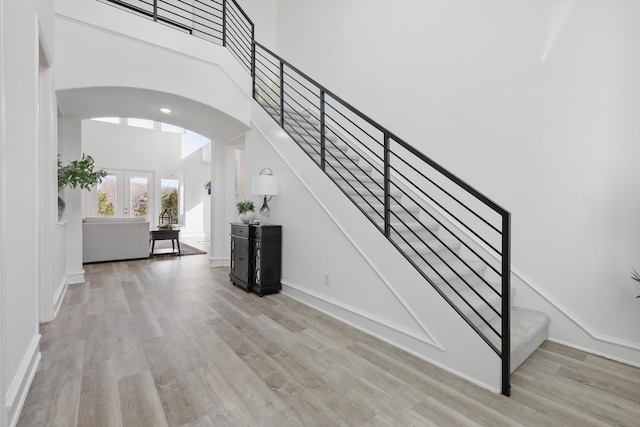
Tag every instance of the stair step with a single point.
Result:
(451, 275)
(376, 192)
(346, 165)
(271, 108)
(355, 178)
(397, 211)
(312, 136)
(483, 309)
(447, 252)
(349, 156)
(312, 129)
(403, 235)
(529, 329)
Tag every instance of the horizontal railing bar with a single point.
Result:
(231, 45)
(373, 138)
(246, 17)
(267, 68)
(443, 295)
(447, 282)
(266, 83)
(440, 223)
(293, 77)
(366, 146)
(444, 262)
(408, 147)
(335, 158)
(197, 8)
(292, 88)
(237, 49)
(239, 28)
(212, 5)
(446, 192)
(446, 210)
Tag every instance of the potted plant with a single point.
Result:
(77, 173)
(246, 211)
(207, 186)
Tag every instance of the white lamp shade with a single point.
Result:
(264, 185)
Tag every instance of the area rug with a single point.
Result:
(163, 248)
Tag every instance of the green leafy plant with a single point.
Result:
(245, 206)
(207, 185)
(79, 173)
(635, 276)
(165, 227)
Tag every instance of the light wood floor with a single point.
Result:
(171, 342)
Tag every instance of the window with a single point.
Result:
(172, 195)
(108, 196)
(140, 123)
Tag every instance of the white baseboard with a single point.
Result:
(355, 317)
(364, 322)
(77, 277)
(219, 262)
(17, 392)
(58, 297)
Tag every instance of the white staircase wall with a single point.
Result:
(370, 286)
(542, 97)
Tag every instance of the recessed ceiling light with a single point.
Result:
(165, 110)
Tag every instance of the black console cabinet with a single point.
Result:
(256, 257)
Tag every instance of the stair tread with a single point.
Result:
(529, 329)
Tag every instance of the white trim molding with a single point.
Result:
(351, 240)
(58, 297)
(577, 321)
(219, 262)
(17, 392)
(75, 277)
(354, 316)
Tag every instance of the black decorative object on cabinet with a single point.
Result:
(256, 257)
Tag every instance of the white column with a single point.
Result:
(71, 135)
(218, 254)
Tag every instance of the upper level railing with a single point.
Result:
(221, 22)
(454, 236)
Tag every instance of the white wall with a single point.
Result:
(23, 184)
(264, 15)
(542, 99)
(371, 286)
(119, 146)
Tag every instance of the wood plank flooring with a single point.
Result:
(170, 342)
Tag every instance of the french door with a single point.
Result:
(123, 193)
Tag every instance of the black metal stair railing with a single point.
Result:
(221, 22)
(442, 226)
(454, 236)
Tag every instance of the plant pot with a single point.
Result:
(61, 208)
(247, 217)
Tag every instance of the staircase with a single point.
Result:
(430, 248)
(453, 235)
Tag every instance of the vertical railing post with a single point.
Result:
(387, 188)
(155, 10)
(506, 303)
(253, 66)
(282, 94)
(322, 132)
(224, 23)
